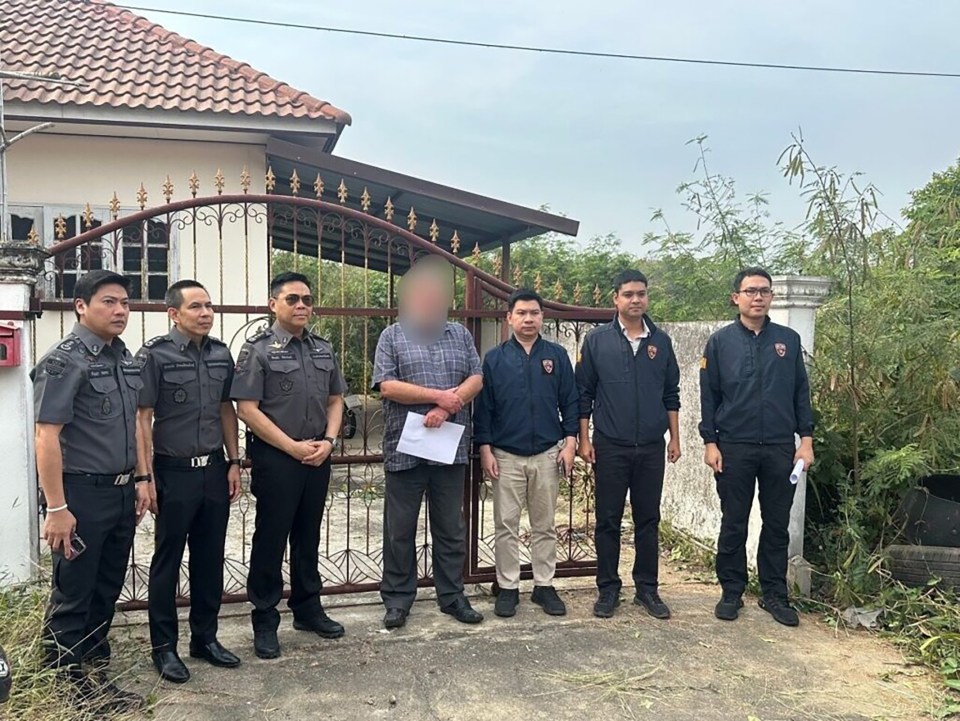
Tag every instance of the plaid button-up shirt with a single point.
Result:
(441, 365)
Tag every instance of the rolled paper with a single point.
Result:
(795, 473)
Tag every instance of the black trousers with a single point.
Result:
(404, 496)
(194, 507)
(745, 467)
(86, 588)
(639, 471)
(290, 501)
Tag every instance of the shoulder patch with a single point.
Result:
(265, 333)
(55, 365)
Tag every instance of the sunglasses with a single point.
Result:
(292, 299)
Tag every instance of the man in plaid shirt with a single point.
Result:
(425, 364)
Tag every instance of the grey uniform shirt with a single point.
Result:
(91, 389)
(441, 365)
(292, 378)
(185, 385)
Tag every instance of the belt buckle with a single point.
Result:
(200, 461)
(122, 479)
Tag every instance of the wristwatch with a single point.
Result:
(234, 462)
(145, 478)
(331, 440)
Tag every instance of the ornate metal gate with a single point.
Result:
(233, 243)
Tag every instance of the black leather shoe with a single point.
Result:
(214, 654)
(728, 607)
(395, 618)
(607, 602)
(651, 601)
(321, 624)
(462, 611)
(170, 667)
(266, 644)
(546, 598)
(781, 610)
(507, 601)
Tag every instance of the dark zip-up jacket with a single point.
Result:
(528, 402)
(753, 386)
(628, 394)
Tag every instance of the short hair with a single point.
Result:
(88, 283)
(523, 294)
(748, 272)
(628, 276)
(174, 294)
(289, 277)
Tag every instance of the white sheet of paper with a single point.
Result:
(432, 444)
(795, 473)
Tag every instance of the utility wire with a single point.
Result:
(547, 50)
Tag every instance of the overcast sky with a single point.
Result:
(604, 141)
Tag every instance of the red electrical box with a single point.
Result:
(9, 344)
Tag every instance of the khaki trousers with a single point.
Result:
(534, 482)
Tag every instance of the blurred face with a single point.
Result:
(526, 319)
(107, 312)
(293, 306)
(631, 300)
(194, 317)
(754, 297)
(425, 296)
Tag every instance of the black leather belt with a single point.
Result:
(90, 479)
(208, 459)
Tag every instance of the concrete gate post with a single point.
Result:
(20, 267)
(795, 305)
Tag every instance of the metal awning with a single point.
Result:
(479, 221)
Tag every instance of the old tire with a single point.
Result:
(917, 565)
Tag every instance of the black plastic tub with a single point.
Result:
(931, 512)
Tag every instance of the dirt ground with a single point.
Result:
(537, 667)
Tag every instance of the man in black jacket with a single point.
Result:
(629, 381)
(525, 425)
(754, 399)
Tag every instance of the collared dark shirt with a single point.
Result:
(91, 389)
(754, 386)
(628, 393)
(185, 385)
(441, 365)
(529, 402)
(291, 377)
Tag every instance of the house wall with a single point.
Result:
(70, 171)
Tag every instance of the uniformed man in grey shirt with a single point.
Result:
(186, 419)
(85, 401)
(289, 392)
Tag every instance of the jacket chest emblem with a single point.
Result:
(781, 349)
(547, 364)
(651, 351)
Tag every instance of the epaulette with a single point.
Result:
(215, 341)
(265, 333)
(319, 337)
(159, 339)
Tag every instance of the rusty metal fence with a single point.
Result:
(233, 243)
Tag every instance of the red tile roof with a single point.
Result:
(128, 62)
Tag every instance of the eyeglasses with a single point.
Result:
(292, 299)
(754, 292)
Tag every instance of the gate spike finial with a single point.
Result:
(142, 197)
(294, 183)
(270, 180)
(388, 210)
(318, 186)
(245, 179)
(434, 231)
(538, 282)
(33, 237)
(194, 182)
(60, 227)
(87, 215)
(114, 206)
(475, 255)
(412, 220)
(167, 189)
(365, 200)
(558, 289)
(455, 243)
(517, 275)
(342, 192)
(578, 293)
(219, 181)
(597, 295)
(497, 264)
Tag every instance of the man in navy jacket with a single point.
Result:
(525, 425)
(754, 399)
(629, 381)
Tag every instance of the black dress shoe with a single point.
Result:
(651, 601)
(395, 617)
(170, 667)
(321, 624)
(266, 644)
(462, 611)
(215, 654)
